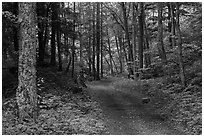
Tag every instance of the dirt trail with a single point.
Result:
(124, 114)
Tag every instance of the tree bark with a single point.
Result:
(101, 34)
(146, 46)
(160, 44)
(26, 95)
(182, 73)
(98, 41)
(130, 53)
(169, 22)
(172, 25)
(141, 34)
(53, 37)
(40, 14)
(15, 30)
(119, 54)
(134, 20)
(59, 38)
(59, 49)
(73, 44)
(94, 44)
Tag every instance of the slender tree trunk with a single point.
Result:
(116, 68)
(98, 41)
(169, 22)
(54, 25)
(119, 54)
(59, 49)
(59, 38)
(80, 33)
(160, 45)
(15, 30)
(109, 65)
(172, 24)
(40, 13)
(73, 45)
(26, 95)
(134, 38)
(46, 28)
(130, 54)
(109, 51)
(182, 73)
(147, 55)
(89, 54)
(124, 50)
(94, 44)
(101, 34)
(141, 34)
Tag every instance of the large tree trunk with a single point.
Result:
(26, 95)
(98, 41)
(182, 73)
(160, 44)
(141, 34)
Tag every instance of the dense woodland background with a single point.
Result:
(64, 44)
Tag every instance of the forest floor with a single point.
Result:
(125, 114)
(63, 109)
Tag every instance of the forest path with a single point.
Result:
(124, 114)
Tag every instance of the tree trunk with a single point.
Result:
(59, 50)
(73, 45)
(172, 24)
(15, 30)
(141, 34)
(134, 20)
(119, 54)
(40, 13)
(26, 95)
(89, 54)
(101, 34)
(182, 73)
(54, 25)
(98, 41)
(94, 44)
(130, 54)
(59, 38)
(109, 51)
(169, 23)
(46, 29)
(147, 54)
(160, 44)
